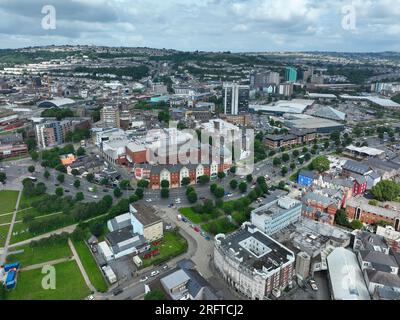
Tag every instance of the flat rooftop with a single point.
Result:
(145, 214)
(254, 249)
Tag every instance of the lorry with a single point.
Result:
(110, 275)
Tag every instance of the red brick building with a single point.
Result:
(360, 209)
(12, 151)
(360, 186)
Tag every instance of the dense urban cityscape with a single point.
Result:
(135, 173)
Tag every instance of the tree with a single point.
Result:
(219, 192)
(249, 178)
(140, 193)
(117, 192)
(34, 155)
(292, 166)
(61, 178)
(96, 229)
(31, 169)
(305, 150)
(386, 190)
(356, 224)
(326, 144)
(204, 179)
(133, 198)
(80, 152)
(3, 177)
(307, 156)
(243, 187)
(164, 193)
(125, 184)
(185, 181)
(79, 196)
(213, 188)
(189, 190)
(221, 175)
(164, 116)
(341, 218)
(284, 171)
(90, 177)
(233, 184)
(165, 184)
(75, 172)
(276, 162)
(295, 153)
(155, 295)
(77, 183)
(232, 170)
(285, 157)
(143, 184)
(320, 164)
(192, 197)
(46, 174)
(104, 181)
(59, 192)
(261, 180)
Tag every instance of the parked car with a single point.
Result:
(197, 229)
(105, 190)
(144, 279)
(149, 200)
(184, 219)
(165, 267)
(117, 291)
(313, 285)
(208, 238)
(95, 196)
(154, 273)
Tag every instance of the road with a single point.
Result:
(199, 251)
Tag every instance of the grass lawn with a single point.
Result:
(22, 213)
(240, 217)
(26, 202)
(172, 245)
(198, 218)
(40, 254)
(21, 232)
(3, 234)
(6, 219)
(91, 267)
(70, 284)
(8, 199)
(191, 215)
(219, 226)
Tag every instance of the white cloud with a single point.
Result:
(236, 25)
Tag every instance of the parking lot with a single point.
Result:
(307, 293)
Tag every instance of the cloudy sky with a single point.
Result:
(212, 25)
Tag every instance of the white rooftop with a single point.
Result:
(346, 277)
(374, 99)
(322, 95)
(366, 150)
(292, 106)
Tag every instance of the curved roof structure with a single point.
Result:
(347, 281)
(56, 103)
